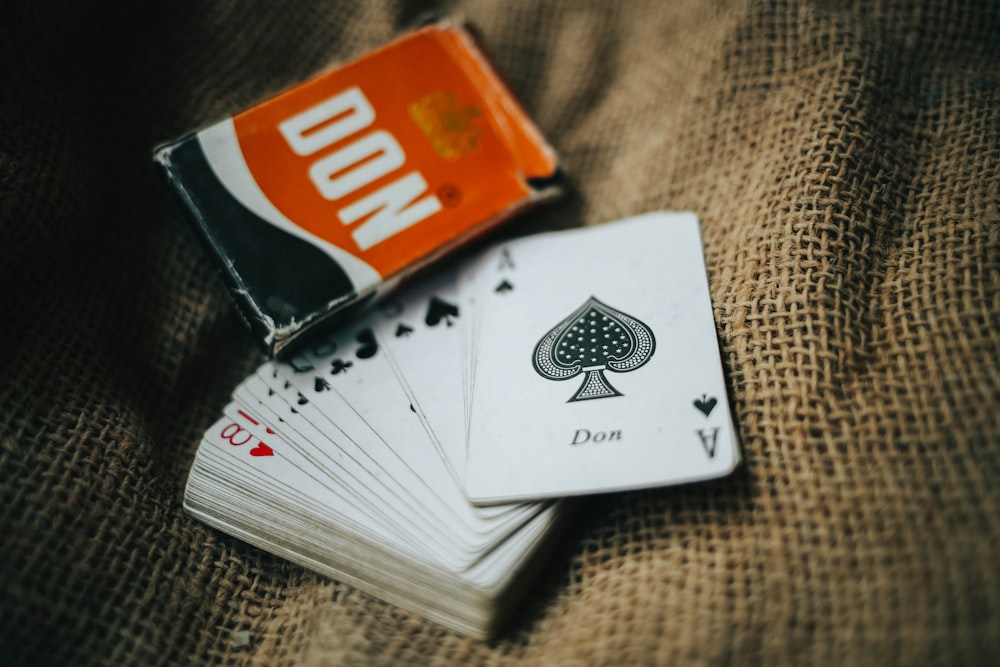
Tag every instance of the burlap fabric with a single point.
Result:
(844, 162)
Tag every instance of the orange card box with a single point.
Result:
(317, 200)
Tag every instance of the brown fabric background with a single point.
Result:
(843, 158)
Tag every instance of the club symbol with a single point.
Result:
(340, 366)
(705, 404)
(593, 339)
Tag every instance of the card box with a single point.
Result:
(318, 199)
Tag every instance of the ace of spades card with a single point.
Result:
(598, 369)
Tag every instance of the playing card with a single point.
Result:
(368, 468)
(553, 365)
(363, 401)
(598, 368)
(259, 478)
(332, 468)
(420, 331)
(423, 342)
(232, 489)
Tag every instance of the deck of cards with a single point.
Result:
(422, 452)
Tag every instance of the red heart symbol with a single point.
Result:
(262, 450)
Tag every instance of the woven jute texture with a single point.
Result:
(843, 159)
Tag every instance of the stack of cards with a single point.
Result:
(419, 453)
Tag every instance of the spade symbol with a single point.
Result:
(403, 330)
(503, 287)
(368, 346)
(595, 338)
(705, 404)
(438, 310)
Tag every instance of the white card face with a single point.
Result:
(421, 333)
(364, 401)
(333, 467)
(597, 368)
(423, 340)
(365, 466)
(250, 454)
